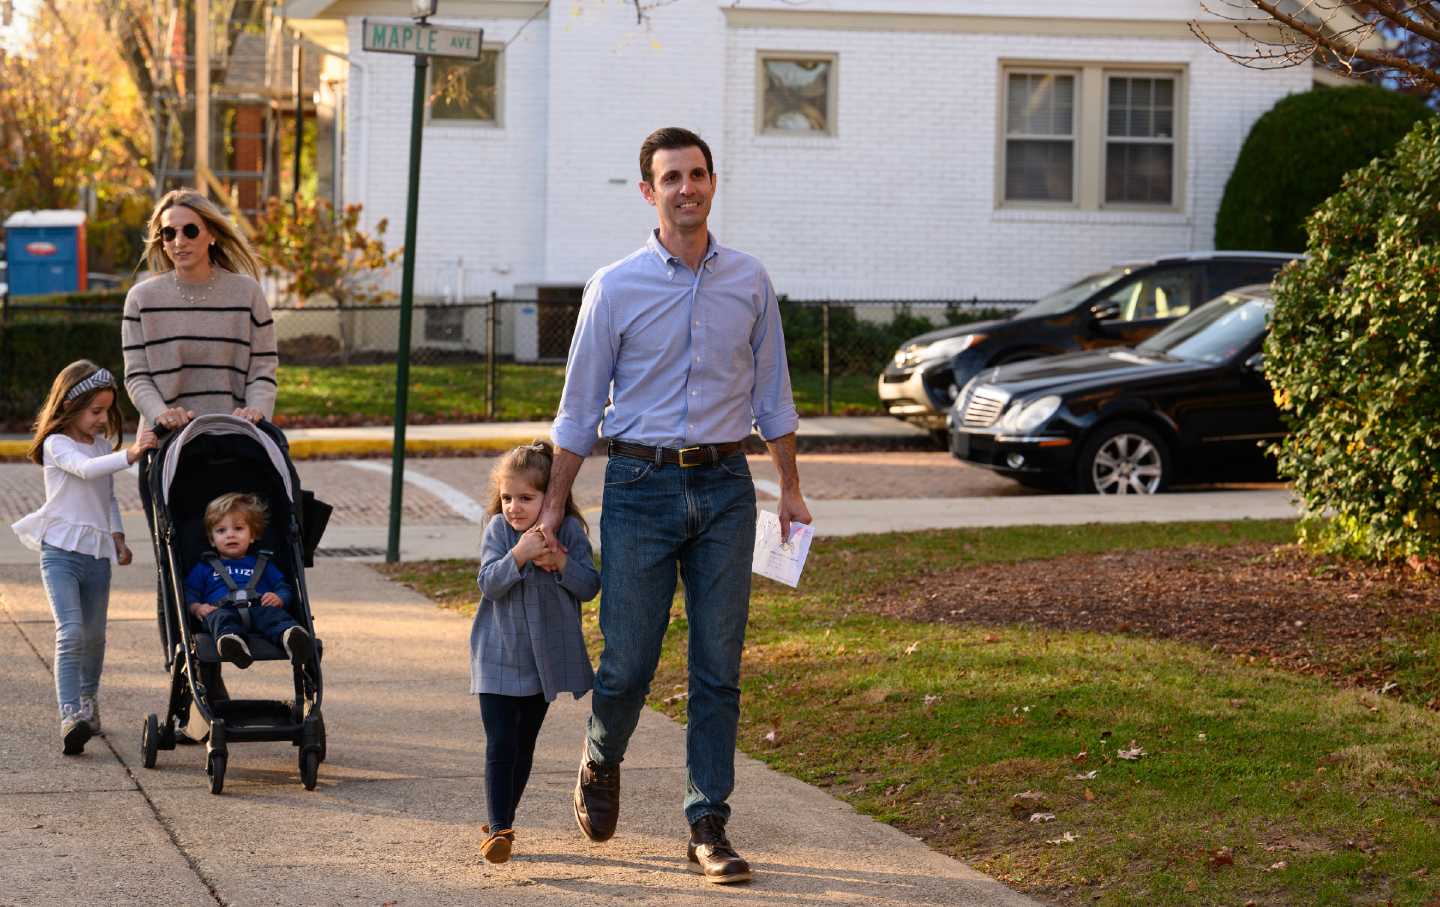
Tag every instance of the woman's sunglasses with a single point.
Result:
(191, 231)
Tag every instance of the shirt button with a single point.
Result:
(694, 393)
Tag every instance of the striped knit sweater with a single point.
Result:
(212, 356)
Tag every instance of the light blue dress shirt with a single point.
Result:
(684, 357)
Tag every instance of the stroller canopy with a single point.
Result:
(202, 426)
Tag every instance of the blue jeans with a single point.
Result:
(78, 587)
(654, 518)
(266, 622)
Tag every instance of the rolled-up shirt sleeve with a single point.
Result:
(771, 400)
(588, 374)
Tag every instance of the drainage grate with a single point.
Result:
(349, 552)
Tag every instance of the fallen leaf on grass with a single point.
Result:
(1085, 776)
(1089, 795)
(772, 738)
(678, 697)
(1222, 857)
(1068, 838)
(991, 637)
(1038, 818)
(910, 649)
(1277, 866)
(1080, 756)
(1130, 753)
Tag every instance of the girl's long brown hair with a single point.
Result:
(533, 462)
(57, 413)
(231, 251)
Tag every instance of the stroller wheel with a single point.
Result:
(149, 740)
(215, 768)
(309, 768)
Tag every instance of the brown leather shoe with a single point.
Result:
(496, 846)
(711, 854)
(597, 797)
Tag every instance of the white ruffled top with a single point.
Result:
(80, 510)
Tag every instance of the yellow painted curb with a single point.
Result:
(310, 448)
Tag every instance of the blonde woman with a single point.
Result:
(198, 335)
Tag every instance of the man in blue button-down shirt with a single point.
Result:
(683, 339)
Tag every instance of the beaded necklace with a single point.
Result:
(200, 291)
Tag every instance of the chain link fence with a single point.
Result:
(498, 358)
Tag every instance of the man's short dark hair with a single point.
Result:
(671, 138)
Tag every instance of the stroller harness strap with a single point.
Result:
(240, 599)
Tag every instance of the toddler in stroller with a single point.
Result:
(209, 485)
(233, 522)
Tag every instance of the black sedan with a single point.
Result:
(1191, 403)
(1118, 307)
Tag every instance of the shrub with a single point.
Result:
(858, 346)
(1354, 356)
(1296, 154)
(33, 351)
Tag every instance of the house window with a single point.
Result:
(1091, 135)
(1040, 137)
(1140, 140)
(797, 94)
(465, 91)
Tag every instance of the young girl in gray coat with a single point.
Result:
(526, 646)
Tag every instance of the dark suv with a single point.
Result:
(1117, 307)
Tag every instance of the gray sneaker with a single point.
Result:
(90, 711)
(74, 730)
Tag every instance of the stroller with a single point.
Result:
(211, 456)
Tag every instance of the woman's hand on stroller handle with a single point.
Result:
(248, 412)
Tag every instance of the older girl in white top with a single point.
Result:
(78, 532)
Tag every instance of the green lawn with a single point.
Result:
(1254, 785)
(456, 393)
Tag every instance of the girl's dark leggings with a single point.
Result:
(511, 725)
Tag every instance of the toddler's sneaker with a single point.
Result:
(234, 649)
(90, 711)
(496, 846)
(74, 730)
(298, 645)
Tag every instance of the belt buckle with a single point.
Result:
(688, 450)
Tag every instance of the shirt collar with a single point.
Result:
(659, 251)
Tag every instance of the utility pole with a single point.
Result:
(202, 96)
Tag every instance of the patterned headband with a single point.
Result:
(102, 378)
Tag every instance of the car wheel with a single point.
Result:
(1124, 458)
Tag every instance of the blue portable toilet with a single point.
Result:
(46, 252)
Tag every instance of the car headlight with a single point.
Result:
(1023, 418)
(917, 353)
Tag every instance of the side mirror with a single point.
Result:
(1105, 311)
(1256, 364)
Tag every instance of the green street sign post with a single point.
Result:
(421, 41)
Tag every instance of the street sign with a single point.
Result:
(402, 36)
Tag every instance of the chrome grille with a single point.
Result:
(984, 407)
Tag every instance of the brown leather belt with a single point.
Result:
(685, 457)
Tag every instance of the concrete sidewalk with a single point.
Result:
(396, 816)
(880, 432)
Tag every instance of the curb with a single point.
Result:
(362, 448)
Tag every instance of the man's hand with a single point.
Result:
(248, 413)
(552, 512)
(175, 417)
(791, 509)
(271, 600)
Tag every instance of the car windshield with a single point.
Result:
(1213, 333)
(1066, 299)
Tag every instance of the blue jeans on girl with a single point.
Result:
(78, 587)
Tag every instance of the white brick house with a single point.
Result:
(953, 148)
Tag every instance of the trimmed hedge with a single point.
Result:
(1295, 156)
(857, 346)
(1354, 357)
(33, 350)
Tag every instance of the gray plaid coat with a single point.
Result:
(526, 636)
